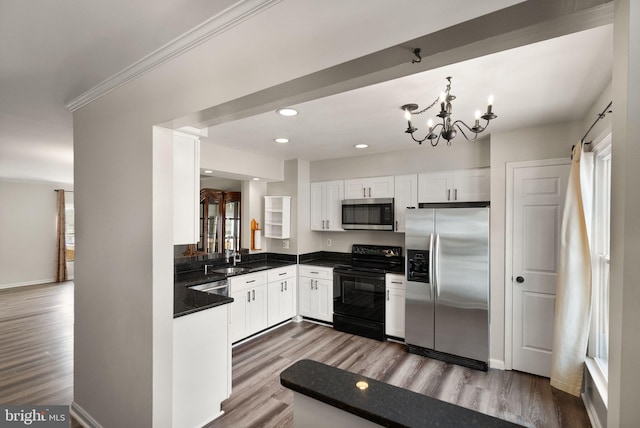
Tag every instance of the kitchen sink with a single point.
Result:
(231, 270)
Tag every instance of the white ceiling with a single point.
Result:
(54, 51)
(553, 81)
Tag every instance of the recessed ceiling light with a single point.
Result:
(287, 112)
(361, 146)
(207, 171)
(256, 179)
(281, 140)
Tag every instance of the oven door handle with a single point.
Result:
(361, 273)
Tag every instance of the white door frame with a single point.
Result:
(508, 250)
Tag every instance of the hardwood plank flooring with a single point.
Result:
(36, 344)
(258, 399)
(36, 367)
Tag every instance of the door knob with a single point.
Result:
(519, 279)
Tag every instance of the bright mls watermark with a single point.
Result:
(34, 416)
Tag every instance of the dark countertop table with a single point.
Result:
(381, 403)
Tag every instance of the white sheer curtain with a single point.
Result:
(573, 294)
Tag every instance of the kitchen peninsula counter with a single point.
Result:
(379, 403)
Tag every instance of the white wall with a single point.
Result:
(624, 340)
(28, 232)
(460, 155)
(545, 142)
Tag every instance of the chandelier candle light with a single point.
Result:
(447, 129)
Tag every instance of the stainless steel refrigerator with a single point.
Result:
(447, 296)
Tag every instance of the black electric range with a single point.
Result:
(359, 289)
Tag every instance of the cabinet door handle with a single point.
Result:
(327, 224)
(285, 286)
(396, 282)
(254, 294)
(364, 192)
(283, 273)
(281, 287)
(455, 194)
(249, 296)
(369, 191)
(311, 283)
(448, 194)
(250, 281)
(387, 295)
(396, 225)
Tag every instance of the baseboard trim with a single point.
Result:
(496, 364)
(82, 417)
(27, 283)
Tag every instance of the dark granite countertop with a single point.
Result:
(187, 301)
(189, 279)
(381, 403)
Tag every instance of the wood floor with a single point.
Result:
(36, 344)
(36, 367)
(258, 399)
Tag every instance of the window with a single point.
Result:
(69, 228)
(599, 337)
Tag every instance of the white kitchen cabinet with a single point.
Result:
(406, 195)
(249, 307)
(394, 309)
(186, 188)
(198, 389)
(315, 292)
(277, 217)
(467, 185)
(326, 205)
(281, 294)
(371, 187)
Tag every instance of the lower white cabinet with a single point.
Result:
(249, 307)
(198, 389)
(394, 309)
(315, 292)
(281, 294)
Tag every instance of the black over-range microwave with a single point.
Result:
(367, 214)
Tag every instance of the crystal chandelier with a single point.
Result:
(447, 128)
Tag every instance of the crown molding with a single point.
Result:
(218, 24)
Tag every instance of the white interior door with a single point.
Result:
(538, 203)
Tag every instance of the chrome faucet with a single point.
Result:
(206, 269)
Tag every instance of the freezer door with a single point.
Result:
(419, 321)
(462, 282)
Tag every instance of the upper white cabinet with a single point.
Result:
(372, 187)
(186, 188)
(466, 185)
(277, 217)
(326, 205)
(406, 191)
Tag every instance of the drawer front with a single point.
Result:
(396, 281)
(315, 272)
(281, 273)
(240, 282)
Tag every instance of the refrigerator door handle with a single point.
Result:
(436, 259)
(431, 267)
